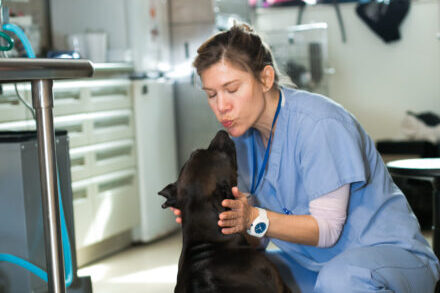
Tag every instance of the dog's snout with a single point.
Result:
(221, 142)
(222, 137)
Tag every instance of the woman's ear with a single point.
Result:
(267, 77)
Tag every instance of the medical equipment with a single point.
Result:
(21, 208)
(5, 257)
(41, 74)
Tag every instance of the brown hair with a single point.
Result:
(240, 45)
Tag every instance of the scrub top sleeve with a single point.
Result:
(331, 156)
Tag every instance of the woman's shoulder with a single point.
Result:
(314, 107)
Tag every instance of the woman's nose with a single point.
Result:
(223, 105)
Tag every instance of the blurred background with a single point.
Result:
(131, 127)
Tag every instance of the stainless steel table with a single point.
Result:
(428, 170)
(41, 73)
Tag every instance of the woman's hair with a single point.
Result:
(240, 45)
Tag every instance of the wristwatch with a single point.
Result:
(260, 225)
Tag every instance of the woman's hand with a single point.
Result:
(241, 215)
(178, 214)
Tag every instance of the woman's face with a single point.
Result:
(234, 95)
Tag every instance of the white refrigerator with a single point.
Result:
(157, 155)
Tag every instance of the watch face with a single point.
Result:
(260, 228)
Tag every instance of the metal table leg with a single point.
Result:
(436, 216)
(43, 103)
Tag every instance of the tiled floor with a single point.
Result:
(143, 268)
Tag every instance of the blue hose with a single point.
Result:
(66, 248)
(67, 251)
(22, 36)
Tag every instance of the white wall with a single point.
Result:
(375, 81)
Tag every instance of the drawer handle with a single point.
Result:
(115, 122)
(109, 92)
(79, 194)
(72, 129)
(113, 153)
(66, 97)
(77, 162)
(9, 100)
(127, 181)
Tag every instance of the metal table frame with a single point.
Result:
(427, 170)
(41, 73)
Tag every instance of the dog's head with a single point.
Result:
(206, 178)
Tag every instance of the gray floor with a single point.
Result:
(145, 268)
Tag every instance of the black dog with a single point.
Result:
(210, 260)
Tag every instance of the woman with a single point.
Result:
(322, 193)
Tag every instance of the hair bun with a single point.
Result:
(244, 27)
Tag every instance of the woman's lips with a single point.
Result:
(227, 123)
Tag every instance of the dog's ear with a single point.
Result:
(170, 193)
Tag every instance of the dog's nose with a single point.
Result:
(222, 137)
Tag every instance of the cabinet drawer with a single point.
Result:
(77, 126)
(102, 158)
(68, 101)
(17, 125)
(112, 125)
(83, 214)
(11, 108)
(117, 202)
(85, 96)
(114, 95)
(105, 205)
(97, 127)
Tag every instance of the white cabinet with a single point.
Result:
(105, 206)
(123, 151)
(98, 115)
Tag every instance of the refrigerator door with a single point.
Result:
(157, 155)
(196, 123)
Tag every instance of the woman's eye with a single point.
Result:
(212, 96)
(231, 91)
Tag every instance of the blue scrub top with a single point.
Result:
(318, 147)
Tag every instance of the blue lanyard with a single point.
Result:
(266, 155)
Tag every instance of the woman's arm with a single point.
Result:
(322, 228)
(330, 211)
(302, 229)
(293, 228)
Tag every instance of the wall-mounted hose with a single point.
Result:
(21, 36)
(8, 39)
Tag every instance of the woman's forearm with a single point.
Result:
(301, 229)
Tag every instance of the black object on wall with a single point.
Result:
(384, 17)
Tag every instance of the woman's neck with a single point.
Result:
(264, 122)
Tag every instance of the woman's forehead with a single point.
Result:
(221, 74)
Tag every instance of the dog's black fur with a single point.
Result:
(210, 260)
